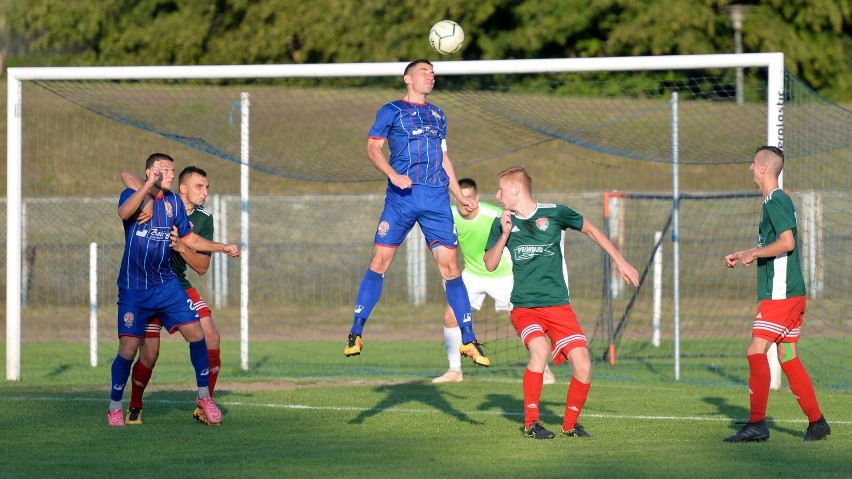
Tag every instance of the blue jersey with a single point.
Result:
(415, 134)
(147, 260)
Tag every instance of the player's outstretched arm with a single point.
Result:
(197, 243)
(199, 262)
(626, 270)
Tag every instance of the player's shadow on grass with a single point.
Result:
(512, 407)
(739, 416)
(415, 391)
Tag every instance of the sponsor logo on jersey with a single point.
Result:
(761, 241)
(759, 316)
(169, 211)
(515, 229)
(542, 223)
(524, 252)
(128, 319)
(359, 308)
(160, 234)
(418, 131)
(383, 228)
(466, 318)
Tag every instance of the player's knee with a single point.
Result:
(149, 357)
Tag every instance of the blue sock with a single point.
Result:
(368, 295)
(460, 303)
(120, 373)
(200, 361)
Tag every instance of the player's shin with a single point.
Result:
(120, 372)
(459, 301)
(369, 293)
(201, 363)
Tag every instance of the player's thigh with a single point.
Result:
(564, 331)
(779, 320)
(397, 218)
(134, 312)
(435, 217)
(177, 312)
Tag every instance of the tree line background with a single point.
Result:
(815, 35)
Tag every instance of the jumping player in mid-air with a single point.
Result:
(419, 173)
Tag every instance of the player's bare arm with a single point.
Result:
(784, 244)
(492, 256)
(134, 182)
(465, 204)
(199, 262)
(377, 158)
(626, 270)
(197, 243)
(129, 208)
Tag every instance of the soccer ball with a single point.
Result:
(446, 37)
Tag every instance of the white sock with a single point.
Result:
(453, 340)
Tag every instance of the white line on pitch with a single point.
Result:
(420, 411)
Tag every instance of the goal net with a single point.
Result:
(654, 151)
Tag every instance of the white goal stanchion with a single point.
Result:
(658, 290)
(93, 304)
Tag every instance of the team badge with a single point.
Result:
(383, 228)
(542, 224)
(168, 209)
(128, 319)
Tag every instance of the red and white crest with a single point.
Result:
(128, 319)
(169, 209)
(383, 228)
(542, 223)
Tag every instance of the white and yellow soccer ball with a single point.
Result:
(446, 37)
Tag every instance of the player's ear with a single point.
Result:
(183, 188)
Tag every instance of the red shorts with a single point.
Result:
(557, 323)
(154, 324)
(779, 320)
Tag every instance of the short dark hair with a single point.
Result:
(467, 183)
(154, 157)
(414, 64)
(184, 174)
(772, 149)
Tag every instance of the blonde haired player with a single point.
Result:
(542, 315)
(472, 228)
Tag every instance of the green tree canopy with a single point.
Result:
(815, 35)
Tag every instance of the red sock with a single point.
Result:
(215, 366)
(758, 385)
(139, 380)
(533, 382)
(577, 394)
(802, 387)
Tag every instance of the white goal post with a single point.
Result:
(773, 62)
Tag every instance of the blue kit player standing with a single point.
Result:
(419, 173)
(148, 286)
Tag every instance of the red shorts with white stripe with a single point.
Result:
(557, 323)
(154, 324)
(779, 320)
